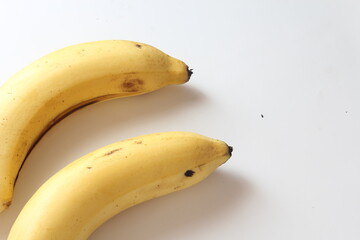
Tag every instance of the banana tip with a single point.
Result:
(190, 72)
(230, 150)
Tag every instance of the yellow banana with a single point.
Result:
(49, 89)
(89, 191)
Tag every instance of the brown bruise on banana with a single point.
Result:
(112, 151)
(132, 85)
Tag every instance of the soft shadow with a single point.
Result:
(186, 211)
(91, 128)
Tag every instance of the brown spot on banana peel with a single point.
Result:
(112, 151)
(132, 85)
(6, 204)
(189, 173)
(128, 84)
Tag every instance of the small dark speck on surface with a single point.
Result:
(262, 116)
(189, 173)
(346, 111)
(89, 167)
(138, 45)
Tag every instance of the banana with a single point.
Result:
(74, 202)
(43, 93)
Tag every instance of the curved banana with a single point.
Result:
(89, 191)
(49, 89)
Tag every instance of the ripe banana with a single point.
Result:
(89, 191)
(54, 86)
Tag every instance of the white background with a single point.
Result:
(294, 174)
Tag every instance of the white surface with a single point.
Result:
(294, 174)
